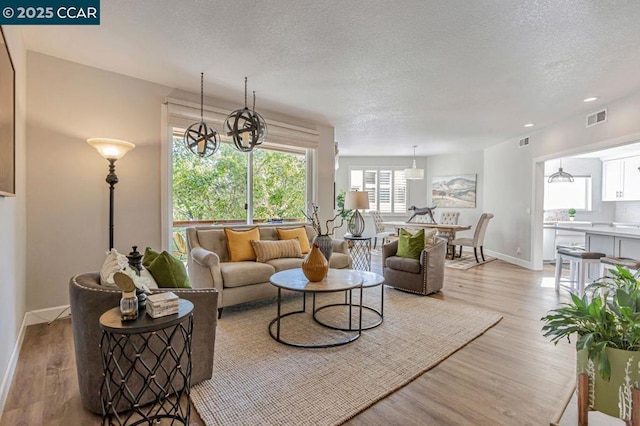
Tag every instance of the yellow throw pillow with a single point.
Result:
(239, 243)
(300, 233)
(267, 250)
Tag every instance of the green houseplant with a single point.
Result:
(572, 213)
(606, 321)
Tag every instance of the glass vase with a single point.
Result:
(129, 306)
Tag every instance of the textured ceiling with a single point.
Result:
(444, 75)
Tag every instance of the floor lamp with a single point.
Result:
(112, 150)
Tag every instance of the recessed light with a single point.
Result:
(591, 99)
(529, 125)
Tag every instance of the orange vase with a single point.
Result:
(315, 265)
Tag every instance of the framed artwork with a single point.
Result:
(456, 191)
(7, 121)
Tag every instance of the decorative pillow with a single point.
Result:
(169, 271)
(115, 262)
(410, 245)
(267, 250)
(300, 233)
(149, 256)
(430, 237)
(239, 243)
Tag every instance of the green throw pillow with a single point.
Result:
(168, 271)
(410, 245)
(149, 256)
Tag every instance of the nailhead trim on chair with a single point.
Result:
(114, 290)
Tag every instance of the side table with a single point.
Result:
(146, 361)
(360, 250)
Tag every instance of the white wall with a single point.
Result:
(459, 164)
(68, 197)
(627, 211)
(68, 200)
(513, 177)
(13, 224)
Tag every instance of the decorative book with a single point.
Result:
(162, 304)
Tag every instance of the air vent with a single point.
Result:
(597, 118)
(523, 142)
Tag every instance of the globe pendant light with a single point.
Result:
(246, 127)
(414, 172)
(202, 139)
(560, 176)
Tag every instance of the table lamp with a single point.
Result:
(356, 200)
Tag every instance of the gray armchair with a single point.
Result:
(421, 276)
(89, 300)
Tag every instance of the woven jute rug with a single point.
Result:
(258, 381)
(467, 262)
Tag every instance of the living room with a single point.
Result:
(464, 110)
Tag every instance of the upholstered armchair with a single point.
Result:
(89, 300)
(421, 276)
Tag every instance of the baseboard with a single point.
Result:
(510, 259)
(33, 317)
(40, 316)
(5, 385)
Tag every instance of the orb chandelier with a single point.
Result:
(560, 176)
(202, 139)
(246, 127)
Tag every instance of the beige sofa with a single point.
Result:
(209, 265)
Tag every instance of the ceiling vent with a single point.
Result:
(597, 118)
(523, 142)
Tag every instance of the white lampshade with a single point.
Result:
(414, 173)
(354, 200)
(111, 149)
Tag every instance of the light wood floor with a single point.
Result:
(510, 375)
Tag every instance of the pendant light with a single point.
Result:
(202, 139)
(247, 128)
(560, 176)
(414, 173)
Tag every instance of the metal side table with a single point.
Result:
(147, 367)
(360, 250)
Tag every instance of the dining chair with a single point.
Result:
(478, 238)
(380, 229)
(448, 218)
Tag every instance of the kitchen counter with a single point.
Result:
(626, 231)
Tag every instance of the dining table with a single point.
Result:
(448, 230)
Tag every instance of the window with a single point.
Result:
(268, 184)
(387, 188)
(566, 195)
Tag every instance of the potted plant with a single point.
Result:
(572, 213)
(606, 321)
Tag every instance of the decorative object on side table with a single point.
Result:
(162, 304)
(135, 262)
(129, 301)
(608, 344)
(356, 200)
(112, 150)
(322, 239)
(315, 266)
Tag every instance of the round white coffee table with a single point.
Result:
(337, 280)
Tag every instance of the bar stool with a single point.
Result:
(579, 261)
(610, 262)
